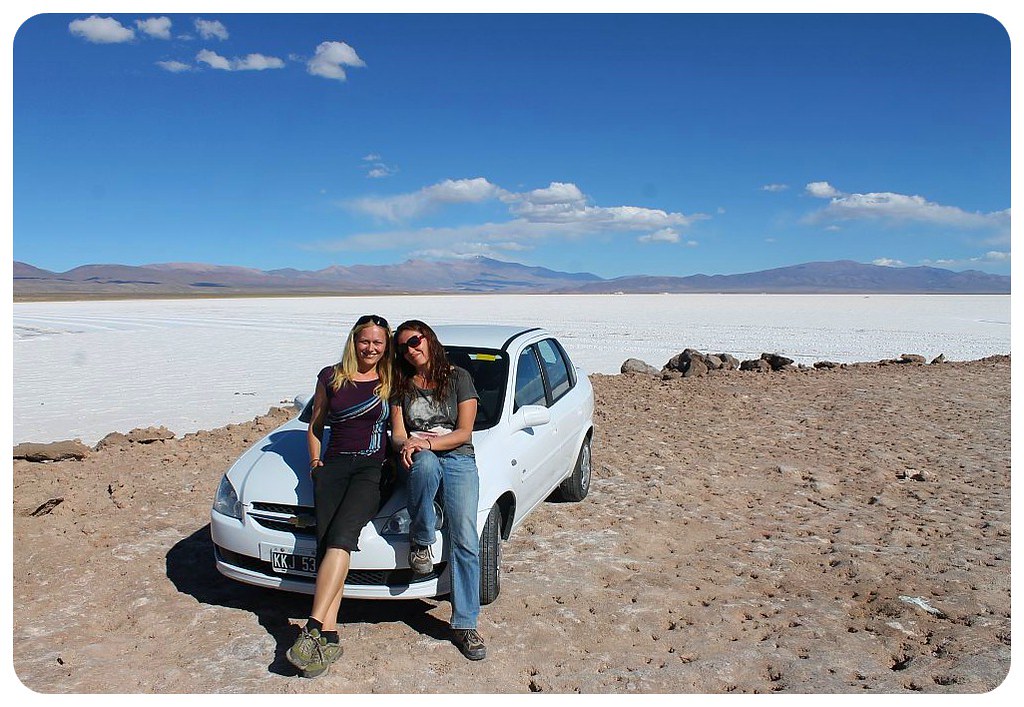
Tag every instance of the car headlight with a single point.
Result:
(398, 523)
(226, 500)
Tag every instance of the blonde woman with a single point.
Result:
(351, 397)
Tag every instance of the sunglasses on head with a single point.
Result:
(411, 343)
(377, 321)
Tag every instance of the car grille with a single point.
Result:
(389, 578)
(298, 520)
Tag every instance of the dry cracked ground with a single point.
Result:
(833, 531)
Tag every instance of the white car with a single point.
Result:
(532, 438)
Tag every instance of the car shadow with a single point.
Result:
(191, 569)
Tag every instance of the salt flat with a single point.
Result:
(83, 369)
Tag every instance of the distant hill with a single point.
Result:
(477, 274)
(481, 275)
(840, 276)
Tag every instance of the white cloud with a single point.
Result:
(564, 203)
(887, 262)
(101, 30)
(158, 27)
(775, 187)
(380, 171)
(901, 208)
(257, 62)
(404, 207)
(558, 204)
(329, 59)
(251, 62)
(213, 60)
(822, 190)
(665, 235)
(559, 210)
(175, 67)
(995, 259)
(211, 29)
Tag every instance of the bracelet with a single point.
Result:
(429, 445)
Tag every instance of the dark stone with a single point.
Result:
(910, 358)
(776, 361)
(635, 365)
(758, 365)
(47, 507)
(696, 367)
(825, 364)
(941, 358)
(729, 362)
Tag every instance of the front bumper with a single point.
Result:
(379, 569)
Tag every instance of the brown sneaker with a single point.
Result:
(421, 560)
(469, 642)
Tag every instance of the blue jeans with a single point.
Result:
(459, 481)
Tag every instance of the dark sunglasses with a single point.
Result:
(410, 343)
(377, 321)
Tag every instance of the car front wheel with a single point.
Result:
(576, 486)
(490, 557)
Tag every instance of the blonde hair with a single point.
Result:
(346, 369)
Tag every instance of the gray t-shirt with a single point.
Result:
(426, 416)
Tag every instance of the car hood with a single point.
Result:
(276, 469)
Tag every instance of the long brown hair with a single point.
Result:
(439, 370)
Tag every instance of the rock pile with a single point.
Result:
(75, 449)
(691, 362)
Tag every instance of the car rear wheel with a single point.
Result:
(490, 557)
(576, 486)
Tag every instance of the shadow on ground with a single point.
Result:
(190, 567)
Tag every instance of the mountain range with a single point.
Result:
(481, 275)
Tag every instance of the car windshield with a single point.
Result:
(489, 369)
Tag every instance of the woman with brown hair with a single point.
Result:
(432, 413)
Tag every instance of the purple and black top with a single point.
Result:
(357, 418)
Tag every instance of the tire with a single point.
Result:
(490, 557)
(576, 486)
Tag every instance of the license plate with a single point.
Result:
(288, 563)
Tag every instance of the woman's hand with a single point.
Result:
(410, 447)
(314, 465)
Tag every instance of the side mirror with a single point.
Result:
(530, 416)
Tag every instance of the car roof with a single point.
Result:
(488, 336)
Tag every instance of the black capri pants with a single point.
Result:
(346, 495)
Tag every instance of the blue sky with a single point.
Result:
(614, 144)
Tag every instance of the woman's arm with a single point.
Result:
(463, 431)
(405, 445)
(315, 431)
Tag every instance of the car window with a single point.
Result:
(529, 384)
(489, 370)
(568, 362)
(555, 367)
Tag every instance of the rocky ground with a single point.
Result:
(827, 531)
